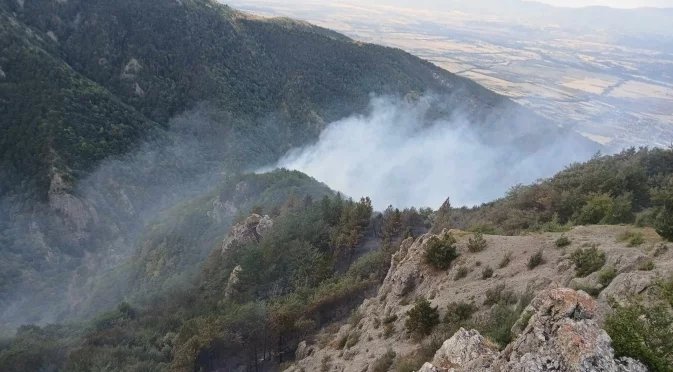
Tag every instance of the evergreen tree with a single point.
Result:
(422, 318)
(664, 222)
(442, 217)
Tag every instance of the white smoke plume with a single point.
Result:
(397, 158)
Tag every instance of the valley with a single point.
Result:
(616, 94)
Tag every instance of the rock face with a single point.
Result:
(561, 335)
(249, 231)
(559, 331)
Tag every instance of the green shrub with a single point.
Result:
(384, 362)
(554, 226)
(506, 259)
(647, 265)
(664, 221)
(422, 318)
(587, 260)
(606, 276)
(536, 260)
(632, 238)
(643, 333)
(562, 241)
(487, 273)
(390, 319)
(603, 209)
(461, 273)
(500, 294)
(388, 330)
(646, 218)
(439, 253)
(459, 311)
(477, 243)
(485, 229)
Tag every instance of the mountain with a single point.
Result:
(271, 295)
(116, 111)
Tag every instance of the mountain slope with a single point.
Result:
(118, 110)
(162, 57)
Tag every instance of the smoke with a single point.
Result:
(396, 156)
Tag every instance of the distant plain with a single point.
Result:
(615, 94)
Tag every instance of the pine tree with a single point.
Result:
(422, 318)
(664, 222)
(442, 217)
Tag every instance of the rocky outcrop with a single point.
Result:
(465, 348)
(249, 231)
(561, 335)
(627, 284)
(559, 331)
(234, 278)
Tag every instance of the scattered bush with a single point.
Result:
(643, 333)
(500, 294)
(441, 252)
(459, 311)
(487, 273)
(536, 260)
(388, 330)
(477, 264)
(646, 218)
(664, 221)
(485, 229)
(660, 250)
(632, 238)
(646, 266)
(554, 225)
(477, 243)
(384, 362)
(587, 260)
(461, 273)
(606, 276)
(502, 317)
(422, 318)
(506, 259)
(603, 209)
(390, 319)
(562, 241)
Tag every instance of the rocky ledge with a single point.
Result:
(558, 332)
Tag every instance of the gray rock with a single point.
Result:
(303, 351)
(234, 278)
(465, 347)
(561, 335)
(625, 285)
(248, 231)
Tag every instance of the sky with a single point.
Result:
(611, 3)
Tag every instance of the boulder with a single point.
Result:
(627, 284)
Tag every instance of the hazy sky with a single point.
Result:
(612, 3)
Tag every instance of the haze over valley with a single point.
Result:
(606, 74)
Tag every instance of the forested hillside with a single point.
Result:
(262, 291)
(115, 111)
(633, 186)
